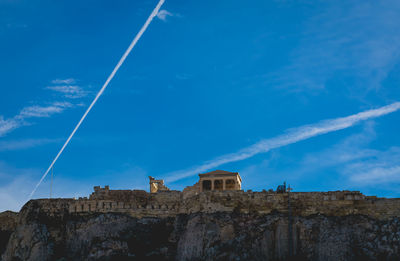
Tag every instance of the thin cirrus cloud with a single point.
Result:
(109, 79)
(43, 111)
(383, 168)
(13, 145)
(350, 164)
(16, 183)
(69, 91)
(36, 111)
(163, 14)
(333, 42)
(316, 164)
(68, 88)
(8, 125)
(291, 136)
(64, 81)
(378, 175)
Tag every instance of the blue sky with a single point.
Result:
(207, 79)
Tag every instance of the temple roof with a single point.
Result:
(219, 173)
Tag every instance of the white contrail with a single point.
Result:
(291, 136)
(121, 61)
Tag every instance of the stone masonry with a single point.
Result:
(169, 203)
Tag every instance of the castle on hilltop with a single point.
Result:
(217, 180)
(221, 191)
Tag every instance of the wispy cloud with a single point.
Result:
(163, 14)
(35, 111)
(69, 91)
(11, 145)
(351, 149)
(43, 111)
(13, 186)
(383, 168)
(8, 125)
(64, 81)
(291, 136)
(354, 38)
(110, 77)
(349, 164)
(68, 88)
(16, 183)
(377, 175)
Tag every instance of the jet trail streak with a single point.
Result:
(110, 77)
(291, 136)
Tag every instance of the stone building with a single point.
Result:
(220, 180)
(219, 191)
(157, 185)
(217, 180)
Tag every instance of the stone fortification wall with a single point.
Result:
(190, 191)
(171, 203)
(138, 203)
(53, 230)
(335, 203)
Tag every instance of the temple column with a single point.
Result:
(212, 184)
(224, 184)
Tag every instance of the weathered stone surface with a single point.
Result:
(40, 234)
(8, 223)
(170, 203)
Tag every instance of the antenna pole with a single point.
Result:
(51, 181)
(290, 224)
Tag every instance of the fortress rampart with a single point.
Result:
(139, 203)
(212, 219)
(220, 191)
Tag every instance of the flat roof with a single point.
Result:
(219, 173)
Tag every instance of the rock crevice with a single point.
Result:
(37, 234)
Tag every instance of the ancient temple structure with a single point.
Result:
(220, 191)
(157, 185)
(220, 180)
(217, 180)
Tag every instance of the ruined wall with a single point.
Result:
(214, 225)
(171, 203)
(190, 191)
(137, 203)
(338, 203)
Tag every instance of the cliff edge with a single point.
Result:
(227, 225)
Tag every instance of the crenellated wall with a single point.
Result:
(138, 203)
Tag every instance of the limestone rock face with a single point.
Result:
(8, 223)
(35, 234)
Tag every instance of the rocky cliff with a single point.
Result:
(39, 234)
(8, 223)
